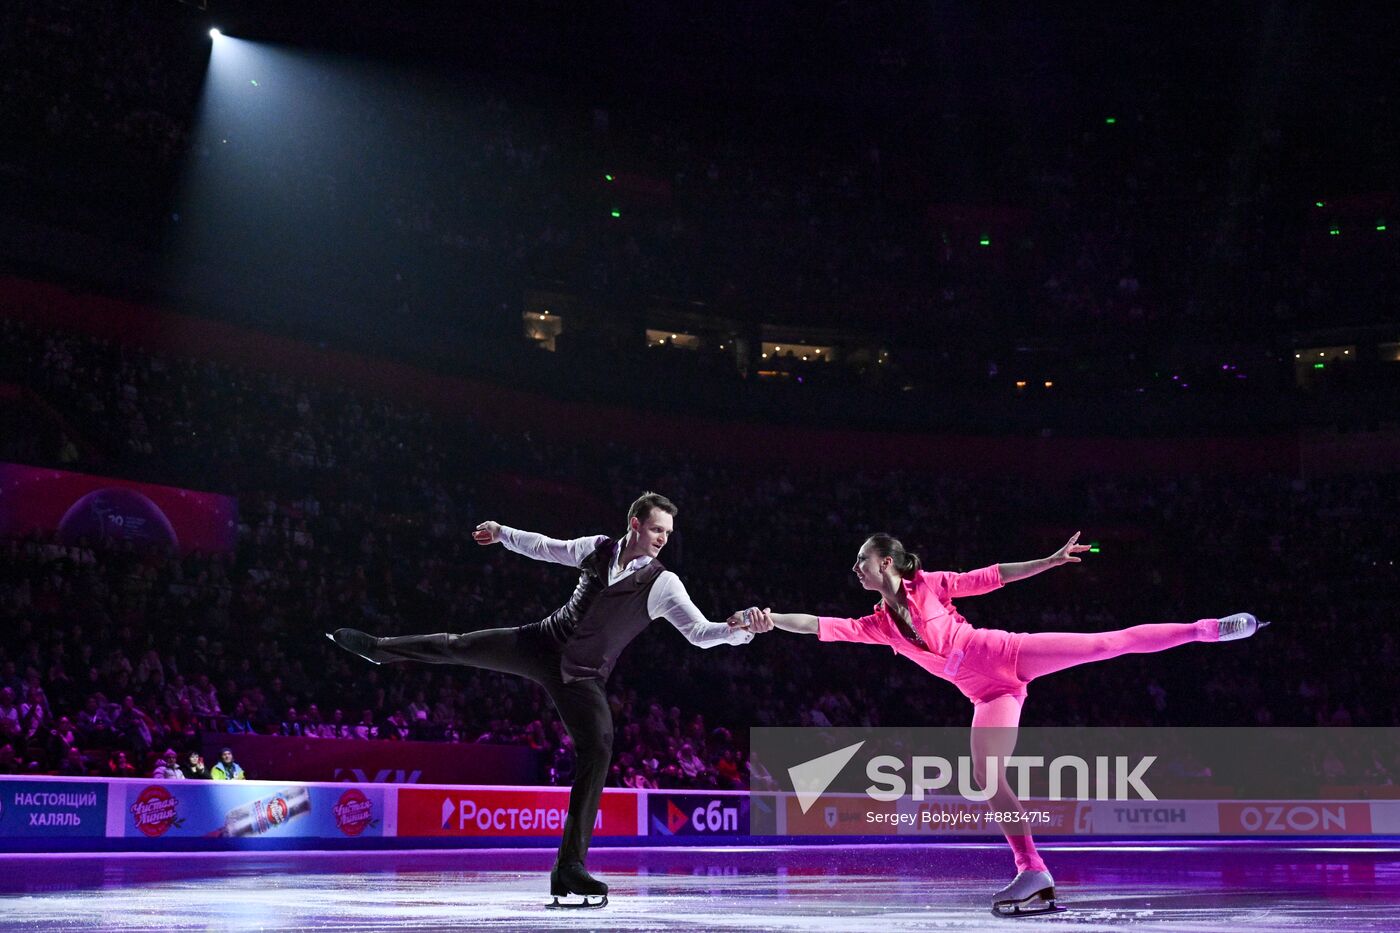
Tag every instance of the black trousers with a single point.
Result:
(529, 651)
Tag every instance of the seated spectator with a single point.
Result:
(136, 726)
(395, 727)
(291, 723)
(168, 767)
(365, 728)
(182, 724)
(238, 722)
(194, 769)
(176, 692)
(10, 719)
(63, 736)
(204, 697)
(727, 771)
(690, 764)
(120, 766)
(226, 769)
(637, 779)
(335, 728)
(75, 763)
(310, 723)
(95, 722)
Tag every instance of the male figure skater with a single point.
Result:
(621, 588)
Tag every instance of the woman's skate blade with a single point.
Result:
(1031, 894)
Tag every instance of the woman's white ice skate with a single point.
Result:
(1031, 893)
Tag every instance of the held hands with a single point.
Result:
(1065, 555)
(487, 533)
(752, 620)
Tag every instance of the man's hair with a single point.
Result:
(641, 509)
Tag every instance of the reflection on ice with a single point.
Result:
(1202, 887)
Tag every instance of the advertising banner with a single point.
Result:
(697, 814)
(1296, 818)
(1157, 818)
(242, 809)
(78, 508)
(834, 815)
(38, 814)
(506, 812)
(53, 808)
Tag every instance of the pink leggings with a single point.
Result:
(994, 721)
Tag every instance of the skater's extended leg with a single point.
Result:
(994, 728)
(1047, 652)
(508, 650)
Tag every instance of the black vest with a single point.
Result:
(599, 620)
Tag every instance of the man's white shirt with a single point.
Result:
(667, 600)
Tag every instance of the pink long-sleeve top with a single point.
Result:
(981, 662)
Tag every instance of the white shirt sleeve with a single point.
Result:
(539, 547)
(668, 600)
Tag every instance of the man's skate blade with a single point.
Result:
(1011, 913)
(588, 902)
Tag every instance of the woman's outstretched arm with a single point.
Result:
(798, 622)
(764, 620)
(1010, 573)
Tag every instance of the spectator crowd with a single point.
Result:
(357, 510)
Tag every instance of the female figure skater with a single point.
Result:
(916, 618)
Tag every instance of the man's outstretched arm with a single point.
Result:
(668, 600)
(537, 546)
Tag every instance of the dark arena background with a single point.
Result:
(299, 299)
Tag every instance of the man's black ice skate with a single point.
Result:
(571, 879)
(357, 642)
(1240, 625)
(1031, 893)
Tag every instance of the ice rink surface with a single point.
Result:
(1331, 886)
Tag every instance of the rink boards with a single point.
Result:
(77, 814)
